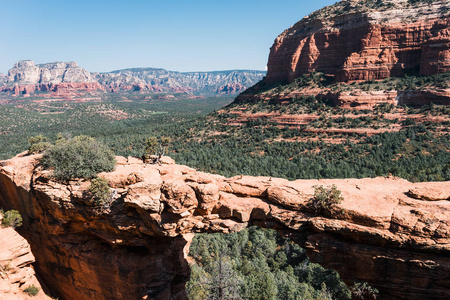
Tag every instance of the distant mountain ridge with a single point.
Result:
(26, 77)
(212, 82)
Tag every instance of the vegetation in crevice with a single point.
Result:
(405, 82)
(257, 264)
(11, 218)
(31, 290)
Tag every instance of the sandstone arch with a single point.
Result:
(392, 233)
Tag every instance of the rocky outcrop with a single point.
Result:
(25, 72)
(365, 40)
(385, 232)
(61, 79)
(64, 90)
(368, 100)
(357, 98)
(230, 88)
(3, 79)
(16, 270)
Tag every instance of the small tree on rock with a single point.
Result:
(12, 218)
(156, 148)
(99, 190)
(38, 143)
(325, 198)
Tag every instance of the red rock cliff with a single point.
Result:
(365, 40)
(16, 270)
(389, 232)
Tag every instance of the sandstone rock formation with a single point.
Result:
(16, 270)
(230, 88)
(26, 72)
(365, 40)
(61, 79)
(3, 79)
(65, 89)
(356, 98)
(387, 231)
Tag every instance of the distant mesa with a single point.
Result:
(26, 72)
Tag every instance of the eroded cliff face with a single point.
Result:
(26, 72)
(16, 270)
(389, 232)
(64, 80)
(365, 40)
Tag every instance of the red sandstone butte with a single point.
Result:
(352, 42)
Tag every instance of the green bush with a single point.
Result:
(325, 198)
(80, 157)
(31, 290)
(99, 190)
(364, 291)
(38, 143)
(12, 218)
(153, 147)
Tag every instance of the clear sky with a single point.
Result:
(178, 35)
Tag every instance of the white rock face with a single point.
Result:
(3, 79)
(26, 72)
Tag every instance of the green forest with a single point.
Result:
(258, 147)
(254, 263)
(258, 264)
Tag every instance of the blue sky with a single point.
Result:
(179, 35)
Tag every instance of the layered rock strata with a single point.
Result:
(357, 98)
(66, 89)
(16, 270)
(389, 232)
(365, 40)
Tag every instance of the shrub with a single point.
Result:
(80, 157)
(364, 291)
(325, 198)
(38, 143)
(12, 218)
(153, 147)
(99, 190)
(31, 290)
